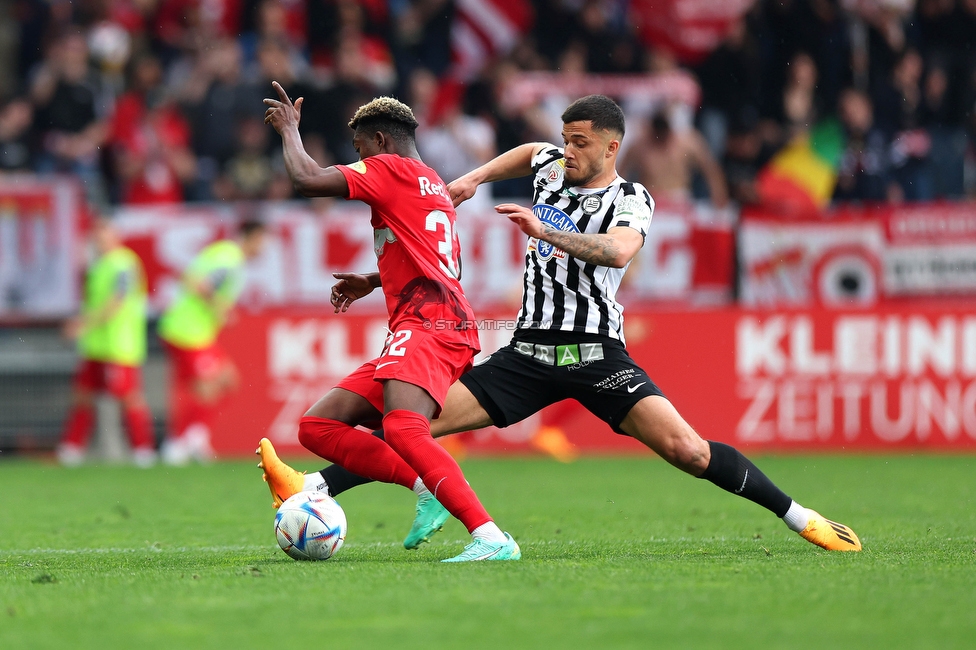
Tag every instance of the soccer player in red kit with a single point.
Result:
(433, 337)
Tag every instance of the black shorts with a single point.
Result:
(541, 368)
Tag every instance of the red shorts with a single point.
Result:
(117, 379)
(414, 356)
(191, 365)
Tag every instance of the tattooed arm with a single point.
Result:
(614, 249)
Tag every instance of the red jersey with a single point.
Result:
(417, 249)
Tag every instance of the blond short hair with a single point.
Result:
(384, 109)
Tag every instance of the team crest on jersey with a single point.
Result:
(558, 220)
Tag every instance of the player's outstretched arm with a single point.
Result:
(351, 287)
(308, 177)
(514, 163)
(615, 248)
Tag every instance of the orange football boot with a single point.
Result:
(829, 534)
(282, 480)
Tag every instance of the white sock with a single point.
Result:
(420, 489)
(488, 532)
(796, 518)
(315, 482)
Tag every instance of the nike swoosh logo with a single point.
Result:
(380, 365)
(631, 389)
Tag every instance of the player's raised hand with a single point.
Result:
(522, 217)
(282, 113)
(349, 288)
(462, 189)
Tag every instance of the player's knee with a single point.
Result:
(691, 455)
(313, 435)
(687, 452)
(305, 436)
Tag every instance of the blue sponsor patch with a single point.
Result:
(558, 220)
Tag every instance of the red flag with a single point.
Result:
(484, 29)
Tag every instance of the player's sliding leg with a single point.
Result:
(335, 479)
(655, 422)
(285, 481)
(461, 412)
(406, 427)
(328, 431)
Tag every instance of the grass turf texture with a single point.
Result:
(617, 553)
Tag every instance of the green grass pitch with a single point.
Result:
(617, 553)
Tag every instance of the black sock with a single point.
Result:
(735, 473)
(340, 479)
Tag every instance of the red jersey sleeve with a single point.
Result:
(371, 181)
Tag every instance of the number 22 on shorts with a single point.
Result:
(394, 346)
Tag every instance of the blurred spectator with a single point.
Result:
(354, 31)
(216, 97)
(889, 33)
(251, 174)
(282, 21)
(800, 107)
(276, 63)
(510, 126)
(664, 161)
(184, 24)
(548, 36)
(150, 140)
(786, 27)
(745, 154)
(110, 46)
(900, 116)
(16, 118)
(349, 90)
(729, 80)
(449, 139)
(942, 119)
(422, 35)
(899, 97)
(608, 49)
(864, 173)
(70, 130)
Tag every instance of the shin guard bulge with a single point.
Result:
(409, 434)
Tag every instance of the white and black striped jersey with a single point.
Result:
(561, 292)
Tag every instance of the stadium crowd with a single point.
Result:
(159, 101)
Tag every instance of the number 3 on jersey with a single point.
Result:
(446, 246)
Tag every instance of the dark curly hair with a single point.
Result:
(387, 115)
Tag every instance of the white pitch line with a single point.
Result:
(187, 549)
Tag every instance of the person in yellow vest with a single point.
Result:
(111, 333)
(201, 373)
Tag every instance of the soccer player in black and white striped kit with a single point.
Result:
(585, 226)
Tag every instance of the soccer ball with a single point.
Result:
(310, 526)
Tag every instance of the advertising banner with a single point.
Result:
(882, 379)
(858, 255)
(688, 256)
(39, 258)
